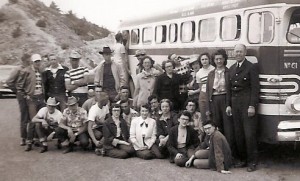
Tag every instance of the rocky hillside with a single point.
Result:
(28, 26)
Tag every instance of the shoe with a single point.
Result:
(98, 152)
(44, 149)
(23, 142)
(251, 168)
(239, 164)
(28, 147)
(69, 149)
(37, 143)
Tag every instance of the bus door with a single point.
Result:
(263, 50)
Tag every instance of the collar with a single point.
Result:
(163, 118)
(59, 67)
(241, 63)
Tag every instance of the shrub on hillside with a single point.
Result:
(64, 46)
(2, 17)
(16, 32)
(41, 23)
(13, 1)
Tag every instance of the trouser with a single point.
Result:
(223, 122)
(245, 130)
(99, 136)
(187, 153)
(203, 106)
(24, 115)
(43, 132)
(83, 138)
(81, 97)
(35, 103)
(120, 151)
(151, 153)
(182, 97)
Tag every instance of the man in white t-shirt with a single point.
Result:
(46, 121)
(96, 117)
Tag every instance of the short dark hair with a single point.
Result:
(210, 122)
(119, 37)
(147, 57)
(219, 52)
(185, 113)
(170, 55)
(124, 87)
(115, 105)
(193, 101)
(167, 61)
(204, 54)
(146, 106)
(151, 97)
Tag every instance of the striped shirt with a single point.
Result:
(77, 74)
(38, 86)
(201, 76)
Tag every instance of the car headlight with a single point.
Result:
(293, 103)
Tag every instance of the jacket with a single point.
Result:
(110, 132)
(116, 71)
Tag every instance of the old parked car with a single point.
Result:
(5, 71)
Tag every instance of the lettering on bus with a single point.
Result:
(290, 65)
(187, 13)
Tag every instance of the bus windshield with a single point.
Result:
(293, 35)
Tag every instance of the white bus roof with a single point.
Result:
(202, 7)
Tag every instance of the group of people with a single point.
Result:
(198, 113)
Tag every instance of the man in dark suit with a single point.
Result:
(244, 96)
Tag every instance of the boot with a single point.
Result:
(44, 149)
(69, 149)
(28, 147)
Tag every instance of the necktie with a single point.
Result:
(143, 124)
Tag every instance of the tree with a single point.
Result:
(54, 6)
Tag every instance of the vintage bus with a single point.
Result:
(269, 28)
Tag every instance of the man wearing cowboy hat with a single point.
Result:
(109, 75)
(46, 121)
(73, 125)
(76, 78)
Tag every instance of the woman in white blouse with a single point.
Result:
(143, 135)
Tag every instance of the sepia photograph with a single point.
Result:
(148, 90)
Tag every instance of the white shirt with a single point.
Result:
(50, 118)
(97, 115)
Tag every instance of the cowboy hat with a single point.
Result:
(52, 102)
(71, 101)
(140, 52)
(105, 50)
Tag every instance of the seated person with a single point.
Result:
(73, 125)
(155, 112)
(127, 113)
(183, 140)
(143, 135)
(116, 135)
(46, 121)
(215, 152)
(123, 95)
(96, 118)
(165, 122)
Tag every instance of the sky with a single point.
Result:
(108, 13)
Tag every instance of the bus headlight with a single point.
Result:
(293, 103)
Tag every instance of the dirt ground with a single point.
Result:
(276, 162)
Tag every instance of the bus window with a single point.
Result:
(161, 34)
(135, 36)
(293, 34)
(188, 31)
(230, 27)
(261, 27)
(207, 29)
(147, 35)
(173, 30)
